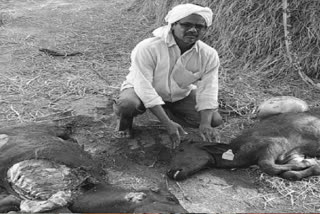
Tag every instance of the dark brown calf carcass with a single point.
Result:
(285, 145)
(42, 169)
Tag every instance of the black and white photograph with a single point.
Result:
(159, 106)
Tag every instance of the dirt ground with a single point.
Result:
(35, 86)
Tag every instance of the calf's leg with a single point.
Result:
(298, 175)
(270, 167)
(273, 152)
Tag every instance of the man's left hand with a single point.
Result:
(208, 133)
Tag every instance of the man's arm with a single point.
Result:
(207, 132)
(207, 98)
(206, 117)
(208, 86)
(141, 74)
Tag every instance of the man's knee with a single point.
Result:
(128, 103)
(124, 107)
(216, 119)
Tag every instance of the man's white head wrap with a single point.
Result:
(181, 11)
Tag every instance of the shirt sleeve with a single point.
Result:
(207, 87)
(141, 75)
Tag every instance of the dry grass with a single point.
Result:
(303, 193)
(31, 82)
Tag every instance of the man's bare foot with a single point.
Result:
(126, 134)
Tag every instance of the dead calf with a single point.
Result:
(285, 145)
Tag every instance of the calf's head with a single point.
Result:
(189, 158)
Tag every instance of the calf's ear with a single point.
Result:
(216, 149)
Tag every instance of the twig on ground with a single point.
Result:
(56, 53)
(17, 113)
(185, 196)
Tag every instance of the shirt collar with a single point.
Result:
(171, 42)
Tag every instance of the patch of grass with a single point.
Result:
(304, 193)
(31, 82)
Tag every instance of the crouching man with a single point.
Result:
(175, 76)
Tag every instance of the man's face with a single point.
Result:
(189, 29)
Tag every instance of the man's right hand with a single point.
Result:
(175, 131)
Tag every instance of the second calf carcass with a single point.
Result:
(285, 145)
